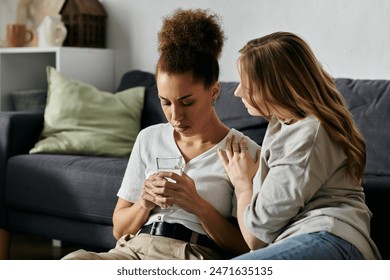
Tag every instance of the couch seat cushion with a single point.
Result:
(75, 187)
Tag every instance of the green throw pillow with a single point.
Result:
(79, 119)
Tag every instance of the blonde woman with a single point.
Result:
(303, 198)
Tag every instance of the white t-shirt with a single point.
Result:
(302, 186)
(207, 171)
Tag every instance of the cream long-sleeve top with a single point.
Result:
(302, 186)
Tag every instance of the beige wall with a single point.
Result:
(350, 37)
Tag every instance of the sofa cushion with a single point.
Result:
(152, 112)
(369, 103)
(79, 119)
(74, 187)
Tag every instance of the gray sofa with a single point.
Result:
(72, 197)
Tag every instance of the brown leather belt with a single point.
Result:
(178, 231)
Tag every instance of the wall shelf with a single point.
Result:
(25, 68)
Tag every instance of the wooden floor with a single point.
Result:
(27, 247)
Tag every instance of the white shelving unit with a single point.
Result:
(25, 68)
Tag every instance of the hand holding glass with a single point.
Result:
(170, 164)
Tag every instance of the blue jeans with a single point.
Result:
(311, 246)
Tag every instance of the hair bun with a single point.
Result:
(196, 29)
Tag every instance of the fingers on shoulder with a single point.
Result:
(222, 156)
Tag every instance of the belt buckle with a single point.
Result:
(194, 237)
(153, 229)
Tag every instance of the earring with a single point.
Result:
(214, 101)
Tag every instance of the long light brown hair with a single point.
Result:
(282, 70)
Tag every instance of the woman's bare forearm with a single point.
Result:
(244, 198)
(128, 218)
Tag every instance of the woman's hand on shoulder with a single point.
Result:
(237, 161)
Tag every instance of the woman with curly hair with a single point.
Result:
(202, 223)
(307, 201)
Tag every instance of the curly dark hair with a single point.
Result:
(191, 41)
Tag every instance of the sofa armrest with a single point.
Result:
(19, 131)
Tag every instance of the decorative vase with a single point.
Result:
(51, 32)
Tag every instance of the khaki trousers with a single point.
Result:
(149, 247)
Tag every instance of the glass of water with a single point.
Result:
(170, 164)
